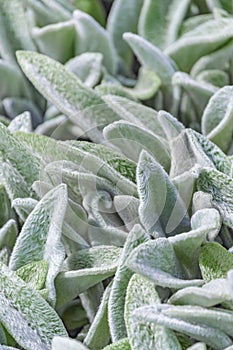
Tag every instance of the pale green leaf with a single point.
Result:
(22, 122)
(62, 88)
(151, 57)
(14, 84)
(146, 86)
(26, 315)
(191, 148)
(114, 89)
(14, 106)
(215, 261)
(14, 29)
(98, 335)
(217, 119)
(45, 13)
(145, 336)
(127, 208)
(60, 343)
(34, 274)
(157, 314)
(123, 18)
(57, 8)
(92, 37)
(214, 77)
(157, 22)
(220, 186)
(120, 283)
(200, 41)
(161, 210)
(8, 234)
(201, 200)
(87, 67)
(106, 235)
(205, 223)
(199, 92)
(40, 238)
(171, 126)
(19, 167)
(24, 206)
(92, 265)
(135, 113)
(194, 21)
(131, 140)
(156, 260)
(218, 59)
(213, 293)
(202, 316)
(122, 344)
(50, 38)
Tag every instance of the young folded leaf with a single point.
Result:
(25, 314)
(40, 238)
(217, 120)
(120, 283)
(110, 88)
(145, 336)
(161, 210)
(151, 57)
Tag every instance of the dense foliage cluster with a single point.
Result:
(116, 210)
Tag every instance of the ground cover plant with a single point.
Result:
(116, 150)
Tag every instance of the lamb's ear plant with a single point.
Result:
(116, 210)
